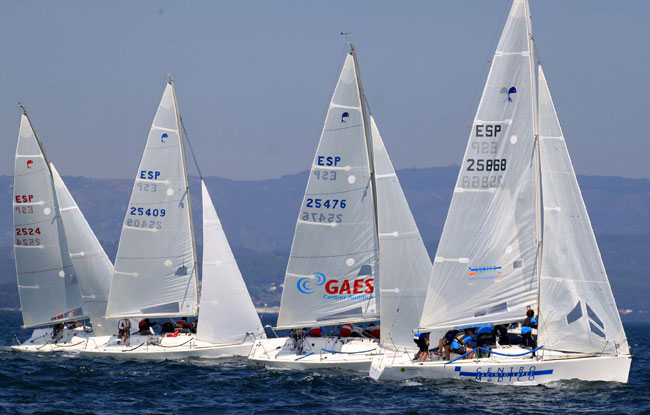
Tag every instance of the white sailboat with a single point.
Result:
(334, 267)
(518, 234)
(63, 272)
(155, 269)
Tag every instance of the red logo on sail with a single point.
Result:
(29, 163)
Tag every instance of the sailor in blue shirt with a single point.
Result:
(527, 327)
(484, 335)
(460, 343)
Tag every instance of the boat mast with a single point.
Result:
(371, 158)
(539, 202)
(187, 186)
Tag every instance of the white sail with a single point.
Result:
(485, 267)
(154, 272)
(91, 264)
(227, 314)
(47, 284)
(577, 308)
(332, 267)
(404, 261)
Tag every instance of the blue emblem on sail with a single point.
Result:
(304, 284)
(162, 137)
(344, 116)
(509, 91)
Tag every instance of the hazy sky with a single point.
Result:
(254, 78)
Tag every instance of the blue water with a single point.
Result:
(46, 384)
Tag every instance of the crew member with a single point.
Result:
(422, 340)
(458, 345)
(445, 343)
(527, 327)
(145, 327)
(124, 332)
(57, 332)
(485, 335)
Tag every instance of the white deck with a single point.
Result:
(354, 354)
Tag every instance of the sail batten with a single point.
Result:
(332, 269)
(575, 295)
(489, 233)
(155, 266)
(404, 262)
(92, 266)
(48, 286)
(227, 314)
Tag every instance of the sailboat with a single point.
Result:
(63, 272)
(155, 273)
(354, 236)
(518, 237)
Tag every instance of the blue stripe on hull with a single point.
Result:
(509, 374)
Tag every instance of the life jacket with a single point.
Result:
(375, 332)
(528, 325)
(345, 330)
(316, 332)
(143, 324)
(451, 335)
(175, 333)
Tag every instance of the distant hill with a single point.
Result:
(259, 218)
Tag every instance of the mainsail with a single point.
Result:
(47, 283)
(404, 261)
(155, 267)
(577, 308)
(485, 268)
(91, 264)
(332, 270)
(227, 314)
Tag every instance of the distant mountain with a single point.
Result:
(259, 219)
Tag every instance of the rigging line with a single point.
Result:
(472, 101)
(187, 137)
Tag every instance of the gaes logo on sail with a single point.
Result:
(357, 289)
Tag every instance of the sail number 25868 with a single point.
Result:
(486, 165)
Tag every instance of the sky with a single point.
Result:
(254, 78)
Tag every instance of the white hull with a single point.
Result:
(165, 348)
(353, 354)
(41, 341)
(526, 370)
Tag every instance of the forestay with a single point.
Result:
(47, 284)
(577, 311)
(403, 259)
(485, 267)
(154, 271)
(332, 267)
(227, 314)
(91, 264)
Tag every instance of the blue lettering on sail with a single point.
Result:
(499, 374)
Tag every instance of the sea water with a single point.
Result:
(69, 384)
